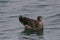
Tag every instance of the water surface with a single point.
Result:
(11, 28)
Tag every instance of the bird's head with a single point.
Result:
(39, 18)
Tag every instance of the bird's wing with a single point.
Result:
(28, 21)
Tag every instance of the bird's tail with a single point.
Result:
(20, 18)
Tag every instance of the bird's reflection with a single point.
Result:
(31, 35)
(29, 31)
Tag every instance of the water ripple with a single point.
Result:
(2, 21)
(1, 33)
(56, 15)
(5, 37)
(40, 0)
(57, 20)
(41, 6)
(52, 28)
(3, 1)
(13, 16)
(36, 6)
(2, 12)
(11, 29)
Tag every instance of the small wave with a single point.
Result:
(13, 17)
(57, 20)
(28, 10)
(11, 29)
(28, 38)
(52, 28)
(2, 12)
(40, 6)
(5, 37)
(57, 15)
(3, 1)
(3, 5)
(40, 0)
(25, 37)
(54, 23)
(36, 6)
(1, 33)
(2, 21)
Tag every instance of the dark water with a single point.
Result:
(10, 28)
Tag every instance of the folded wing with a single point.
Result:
(27, 21)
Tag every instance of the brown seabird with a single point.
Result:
(31, 23)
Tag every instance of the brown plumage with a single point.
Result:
(33, 24)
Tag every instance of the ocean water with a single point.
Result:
(11, 28)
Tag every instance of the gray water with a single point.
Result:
(11, 28)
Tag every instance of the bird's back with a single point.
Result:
(28, 21)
